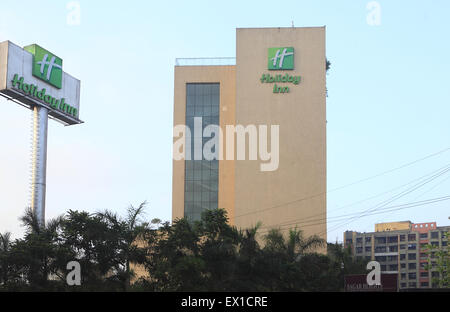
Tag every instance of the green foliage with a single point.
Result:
(206, 255)
(439, 261)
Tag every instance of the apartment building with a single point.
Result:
(401, 248)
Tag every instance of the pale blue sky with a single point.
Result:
(388, 99)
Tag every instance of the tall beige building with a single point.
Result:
(277, 81)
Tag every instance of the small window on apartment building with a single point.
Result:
(393, 248)
(359, 249)
(393, 239)
(383, 267)
(402, 257)
(359, 240)
(412, 246)
(412, 276)
(411, 256)
(444, 243)
(424, 284)
(393, 267)
(435, 244)
(412, 266)
(380, 240)
(402, 246)
(403, 285)
(368, 239)
(403, 276)
(348, 241)
(423, 235)
(435, 274)
(423, 274)
(434, 235)
(411, 237)
(402, 238)
(380, 249)
(403, 265)
(412, 284)
(423, 255)
(392, 258)
(368, 249)
(422, 265)
(380, 258)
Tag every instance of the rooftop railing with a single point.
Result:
(206, 61)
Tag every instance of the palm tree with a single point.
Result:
(294, 245)
(130, 230)
(38, 250)
(298, 245)
(5, 246)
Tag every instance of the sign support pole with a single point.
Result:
(39, 162)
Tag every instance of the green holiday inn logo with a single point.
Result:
(46, 65)
(281, 58)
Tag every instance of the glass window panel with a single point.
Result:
(200, 89)
(207, 111)
(189, 186)
(202, 100)
(190, 89)
(189, 175)
(197, 196)
(213, 196)
(214, 185)
(206, 165)
(208, 89)
(215, 89)
(189, 196)
(215, 110)
(198, 110)
(215, 100)
(212, 205)
(190, 111)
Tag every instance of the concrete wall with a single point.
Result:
(225, 75)
(393, 226)
(297, 189)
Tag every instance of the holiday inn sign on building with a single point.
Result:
(280, 58)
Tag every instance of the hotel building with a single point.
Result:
(277, 80)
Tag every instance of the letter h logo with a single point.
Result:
(46, 66)
(281, 58)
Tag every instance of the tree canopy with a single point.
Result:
(205, 255)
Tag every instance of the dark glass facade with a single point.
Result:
(201, 175)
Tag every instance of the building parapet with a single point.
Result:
(206, 61)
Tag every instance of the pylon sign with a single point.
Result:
(34, 76)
